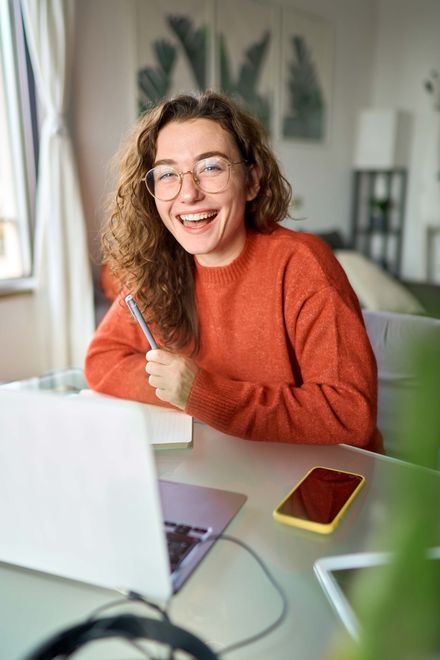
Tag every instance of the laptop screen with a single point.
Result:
(79, 495)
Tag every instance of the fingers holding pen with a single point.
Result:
(161, 356)
(171, 375)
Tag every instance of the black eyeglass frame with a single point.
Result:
(194, 178)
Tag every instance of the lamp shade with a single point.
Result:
(382, 139)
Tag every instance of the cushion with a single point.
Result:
(376, 289)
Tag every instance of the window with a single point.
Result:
(18, 153)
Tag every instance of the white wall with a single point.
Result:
(408, 49)
(103, 98)
(23, 350)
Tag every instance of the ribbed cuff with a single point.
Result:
(213, 400)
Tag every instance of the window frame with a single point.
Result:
(21, 108)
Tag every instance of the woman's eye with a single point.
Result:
(168, 175)
(210, 167)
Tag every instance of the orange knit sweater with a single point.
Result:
(284, 353)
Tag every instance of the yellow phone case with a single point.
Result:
(321, 528)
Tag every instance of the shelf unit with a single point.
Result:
(378, 214)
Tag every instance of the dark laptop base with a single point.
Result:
(207, 510)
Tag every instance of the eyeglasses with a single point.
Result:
(211, 175)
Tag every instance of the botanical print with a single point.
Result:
(306, 77)
(306, 111)
(276, 62)
(172, 43)
(245, 52)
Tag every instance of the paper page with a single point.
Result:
(171, 428)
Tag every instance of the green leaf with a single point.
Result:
(306, 113)
(154, 82)
(245, 88)
(226, 80)
(250, 70)
(194, 43)
(166, 55)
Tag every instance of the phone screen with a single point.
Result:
(321, 495)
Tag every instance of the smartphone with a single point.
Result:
(320, 499)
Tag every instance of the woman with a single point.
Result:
(260, 333)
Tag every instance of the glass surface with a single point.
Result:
(321, 495)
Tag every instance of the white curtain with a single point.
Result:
(62, 267)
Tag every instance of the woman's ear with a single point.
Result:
(253, 182)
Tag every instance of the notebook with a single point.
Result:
(171, 429)
(80, 498)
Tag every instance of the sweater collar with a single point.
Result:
(234, 270)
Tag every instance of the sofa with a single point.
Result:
(395, 339)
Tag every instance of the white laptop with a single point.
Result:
(80, 498)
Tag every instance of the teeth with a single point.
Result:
(194, 217)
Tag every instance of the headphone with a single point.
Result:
(125, 626)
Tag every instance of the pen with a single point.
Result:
(134, 309)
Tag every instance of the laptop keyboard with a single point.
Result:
(181, 539)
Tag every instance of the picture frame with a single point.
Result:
(306, 77)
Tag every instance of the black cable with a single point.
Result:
(284, 603)
(136, 597)
(129, 596)
(114, 603)
(102, 625)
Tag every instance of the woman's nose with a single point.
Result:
(189, 190)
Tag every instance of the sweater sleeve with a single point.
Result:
(115, 360)
(335, 400)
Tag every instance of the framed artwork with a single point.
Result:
(306, 77)
(277, 62)
(173, 48)
(245, 44)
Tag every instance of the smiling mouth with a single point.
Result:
(197, 219)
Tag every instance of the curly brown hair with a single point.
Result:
(141, 252)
